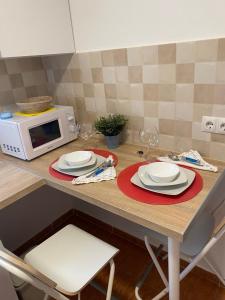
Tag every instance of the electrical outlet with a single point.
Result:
(220, 128)
(209, 124)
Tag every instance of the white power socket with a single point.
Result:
(213, 124)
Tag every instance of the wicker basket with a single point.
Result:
(35, 104)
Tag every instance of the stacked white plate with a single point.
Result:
(163, 178)
(78, 163)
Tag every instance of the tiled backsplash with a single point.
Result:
(21, 78)
(171, 86)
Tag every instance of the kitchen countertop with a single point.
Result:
(16, 183)
(19, 178)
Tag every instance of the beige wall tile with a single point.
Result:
(167, 92)
(97, 75)
(183, 128)
(99, 90)
(123, 91)
(205, 73)
(166, 142)
(3, 70)
(90, 104)
(185, 52)
(122, 74)
(136, 91)
(167, 127)
(220, 138)
(137, 108)
(218, 110)
(86, 75)
(200, 110)
(120, 57)
(221, 49)
(184, 92)
(167, 54)
(150, 55)
(76, 75)
(135, 74)
(7, 98)
(201, 146)
(111, 106)
(151, 109)
(204, 93)
(151, 92)
(135, 123)
(109, 75)
(79, 89)
(185, 73)
(107, 58)
(124, 107)
(110, 91)
(198, 134)
(135, 56)
(95, 59)
(182, 144)
(150, 74)
(206, 50)
(84, 60)
(184, 111)
(100, 104)
(167, 73)
(13, 66)
(19, 94)
(219, 94)
(217, 150)
(34, 78)
(220, 72)
(150, 122)
(166, 110)
(88, 90)
(5, 84)
(16, 80)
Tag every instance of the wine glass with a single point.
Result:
(86, 131)
(150, 138)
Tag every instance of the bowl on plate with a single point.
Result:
(77, 158)
(162, 171)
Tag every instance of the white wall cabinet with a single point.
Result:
(35, 27)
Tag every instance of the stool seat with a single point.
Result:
(71, 258)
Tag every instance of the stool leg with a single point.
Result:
(46, 297)
(79, 296)
(111, 278)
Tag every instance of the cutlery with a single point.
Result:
(193, 161)
(101, 168)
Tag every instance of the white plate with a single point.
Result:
(162, 171)
(146, 179)
(77, 158)
(172, 190)
(99, 160)
(61, 163)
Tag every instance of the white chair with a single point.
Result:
(63, 264)
(204, 232)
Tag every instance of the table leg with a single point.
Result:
(174, 268)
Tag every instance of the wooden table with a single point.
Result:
(169, 220)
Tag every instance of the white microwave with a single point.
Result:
(28, 137)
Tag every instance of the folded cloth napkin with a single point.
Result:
(191, 154)
(108, 174)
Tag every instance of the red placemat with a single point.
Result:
(141, 195)
(65, 177)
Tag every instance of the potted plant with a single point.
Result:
(111, 128)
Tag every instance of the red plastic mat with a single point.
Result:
(141, 195)
(65, 177)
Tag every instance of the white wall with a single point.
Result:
(109, 24)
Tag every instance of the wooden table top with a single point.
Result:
(170, 220)
(16, 183)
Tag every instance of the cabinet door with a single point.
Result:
(35, 27)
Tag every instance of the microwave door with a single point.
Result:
(45, 133)
(42, 137)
